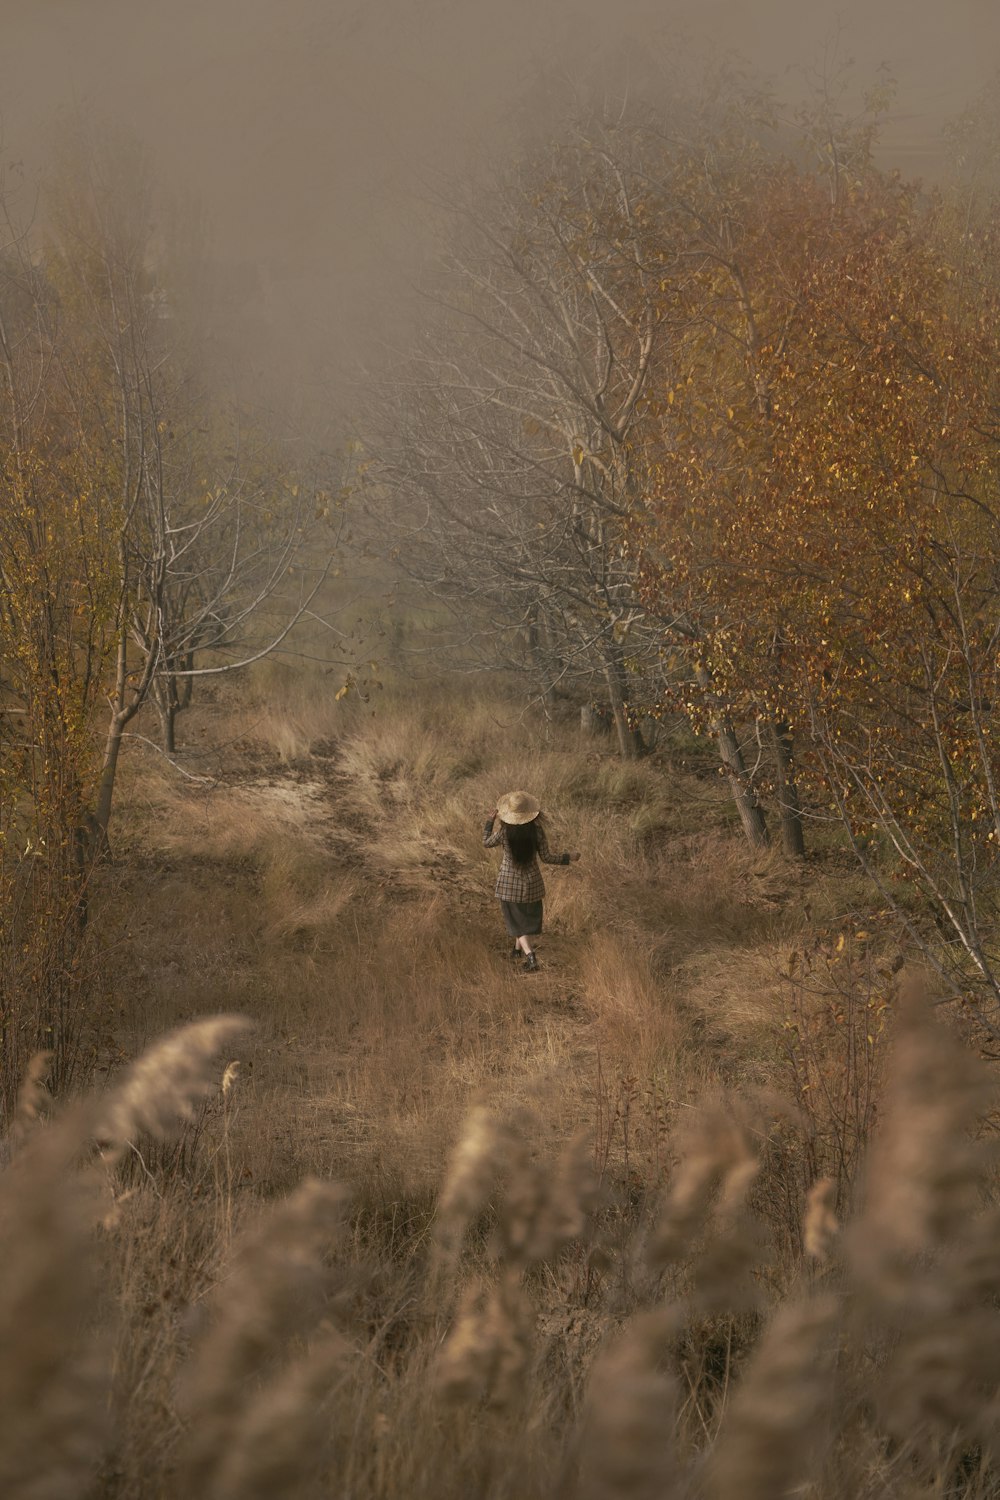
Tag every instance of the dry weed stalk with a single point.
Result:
(704, 1220)
(715, 1172)
(545, 1207)
(938, 1387)
(470, 1179)
(540, 1207)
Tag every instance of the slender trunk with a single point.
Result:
(744, 796)
(628, 743)
(109, 770)
(790, 809)
(537, 650)
(749, 809)
(168, 726)
(88, 844)
(177, 694)
(165, 696)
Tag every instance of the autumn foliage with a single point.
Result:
(790, 535)
(145, 522)
(822, 492)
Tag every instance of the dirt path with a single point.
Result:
(511, 1028)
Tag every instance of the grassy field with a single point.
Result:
(451, 1229)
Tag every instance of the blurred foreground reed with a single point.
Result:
(161, 1341)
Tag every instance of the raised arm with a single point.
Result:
(491, 839)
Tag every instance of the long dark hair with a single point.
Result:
(522, 841)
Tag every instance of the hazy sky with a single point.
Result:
(307, 126)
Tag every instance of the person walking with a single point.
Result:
(519, 886)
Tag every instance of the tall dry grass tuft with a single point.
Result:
(285, 1434)
(33, 1098)
(539, 1208)
(923, 1252)
(820, 1226)
(627, 999)
(546, 1207)
(470, 1179)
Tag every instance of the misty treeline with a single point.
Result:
(151, 532)
(703, 417)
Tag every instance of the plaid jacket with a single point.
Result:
(521, 882)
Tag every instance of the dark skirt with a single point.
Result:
(522, 918)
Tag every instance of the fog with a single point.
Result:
(309, 129)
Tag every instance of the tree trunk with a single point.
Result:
(749, 809)
(88, 844)
(628, 744)
(790, 809)
(167, 708)
(170, 697)
(168, 726)
(109, 770)
(540, 661)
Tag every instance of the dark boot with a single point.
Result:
(531, 964)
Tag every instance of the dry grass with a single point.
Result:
(347, 903)
(588, 1237)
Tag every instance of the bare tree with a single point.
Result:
(504, 455)
(211, 529)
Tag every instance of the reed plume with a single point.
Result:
(283, 1434)
(488, 1349)
(627, 1447)
(54, 1370)
(167, 1083)
(820, 1227)
(273, 1294)
(774, 1438)
(927, 1163)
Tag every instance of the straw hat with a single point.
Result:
(517, 807)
